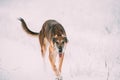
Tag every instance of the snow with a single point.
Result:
(93, 30)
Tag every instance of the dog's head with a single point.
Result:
(59, 43)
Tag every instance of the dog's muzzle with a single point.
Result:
(60, 49)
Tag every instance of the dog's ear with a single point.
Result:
(54, 40)
(65, 39)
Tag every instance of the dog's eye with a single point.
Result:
(54, 40)
(63, 42)
(57, 43)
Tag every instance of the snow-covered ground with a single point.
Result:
(93, 29)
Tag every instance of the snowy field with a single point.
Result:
(93, 30)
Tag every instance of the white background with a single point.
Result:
(92, 27)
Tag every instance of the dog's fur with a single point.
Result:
(54, 33)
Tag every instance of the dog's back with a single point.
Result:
(51, 28)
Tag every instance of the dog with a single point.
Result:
(53, 33)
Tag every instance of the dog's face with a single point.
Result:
(59, 43)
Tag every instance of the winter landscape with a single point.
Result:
(92, 27)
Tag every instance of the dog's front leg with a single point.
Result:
(52, 57)
(60, 62)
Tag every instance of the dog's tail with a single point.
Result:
(24, 26)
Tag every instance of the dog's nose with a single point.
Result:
(60, 50)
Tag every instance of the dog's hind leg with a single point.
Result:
(42, 43)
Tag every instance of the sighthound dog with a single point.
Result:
(54, 33)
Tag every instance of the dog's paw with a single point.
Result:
(59, 78)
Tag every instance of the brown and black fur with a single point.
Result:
(54, 33)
